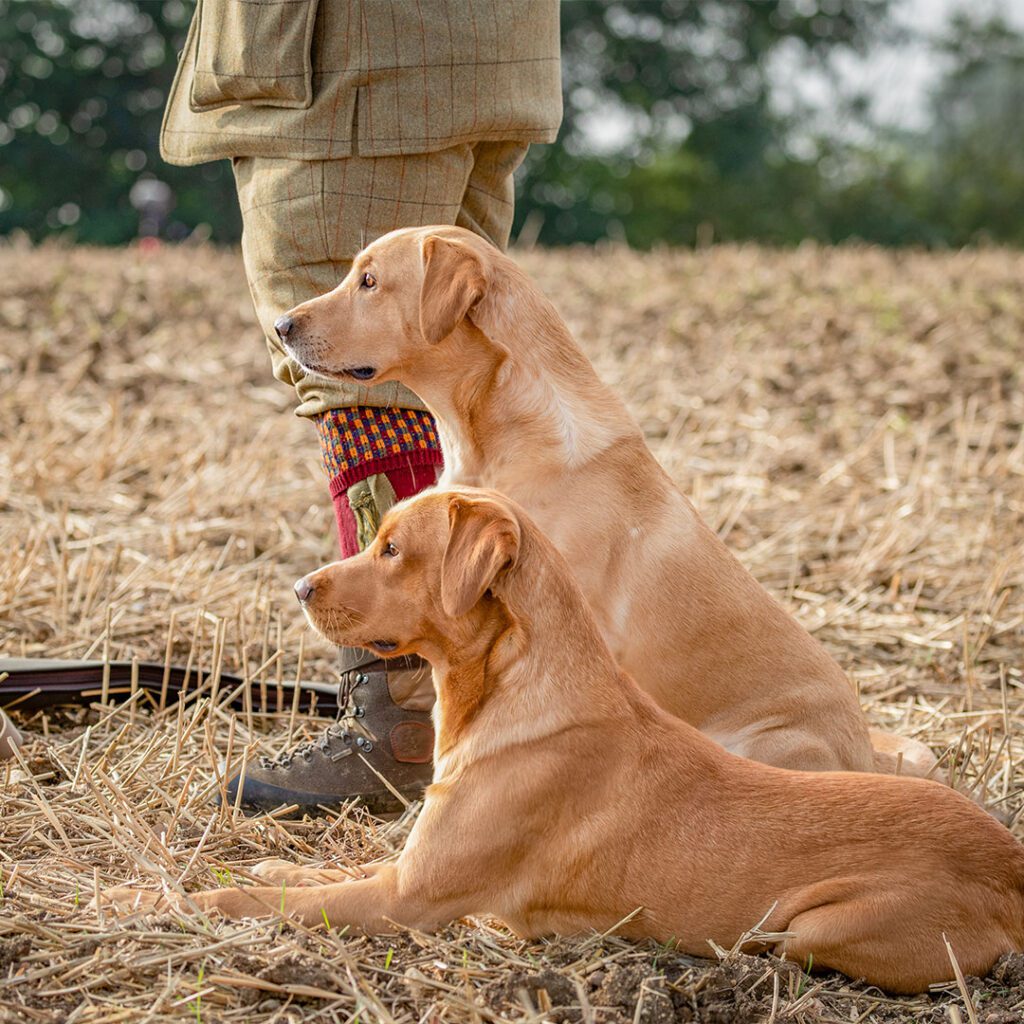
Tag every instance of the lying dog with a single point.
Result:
(520, 410)
(564, 798)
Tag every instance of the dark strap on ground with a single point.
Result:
(36, 683)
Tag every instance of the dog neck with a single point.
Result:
(532, 674)
(513, 393)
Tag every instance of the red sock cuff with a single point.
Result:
(408, 474)
(361, 442)
(406, 480)
(386, 438)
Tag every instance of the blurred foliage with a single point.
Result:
(968, 181)
(672, 131)
(82, 88)
(686, 88)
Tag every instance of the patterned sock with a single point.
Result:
(361, 442)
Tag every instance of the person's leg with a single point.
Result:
(303, 224)
(489, 200)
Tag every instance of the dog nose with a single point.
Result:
(304, 590)
(283, 325)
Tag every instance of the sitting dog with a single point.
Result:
(564, 799)
(521, 410)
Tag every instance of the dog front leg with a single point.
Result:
(371, 906)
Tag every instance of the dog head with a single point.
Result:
(428, 583)
(406, 293)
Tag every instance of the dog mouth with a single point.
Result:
(361, 373)
(338, 632)
(332, 628)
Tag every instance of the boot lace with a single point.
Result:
(339, 739)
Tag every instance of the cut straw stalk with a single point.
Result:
(808, 413)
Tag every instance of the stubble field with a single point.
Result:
(851, 421)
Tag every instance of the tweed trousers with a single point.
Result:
(304, 221)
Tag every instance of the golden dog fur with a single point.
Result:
(520, 410)
(564, 798)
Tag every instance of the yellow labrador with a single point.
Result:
(520, 410)
(564, 798)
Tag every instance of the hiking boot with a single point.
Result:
(377, 751)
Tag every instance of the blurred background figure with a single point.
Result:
(154, 200)
(891, 121)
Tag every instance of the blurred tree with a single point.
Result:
(957, 180)
(82, 87)
(669, 124)
(969, 174)
(672, 129)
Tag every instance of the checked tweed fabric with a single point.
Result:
(323, 79)
(353, 441)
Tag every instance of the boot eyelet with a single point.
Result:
(362, 678)
(359, 712)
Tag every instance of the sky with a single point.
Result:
(898, 79)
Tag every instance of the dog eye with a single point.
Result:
(369, 281)
(390, 551)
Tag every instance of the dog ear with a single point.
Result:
(453, 282)
(483, 542)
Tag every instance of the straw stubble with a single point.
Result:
(849, 420)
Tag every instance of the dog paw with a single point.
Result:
(125, 900)
(275, 870)
(280, 872)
